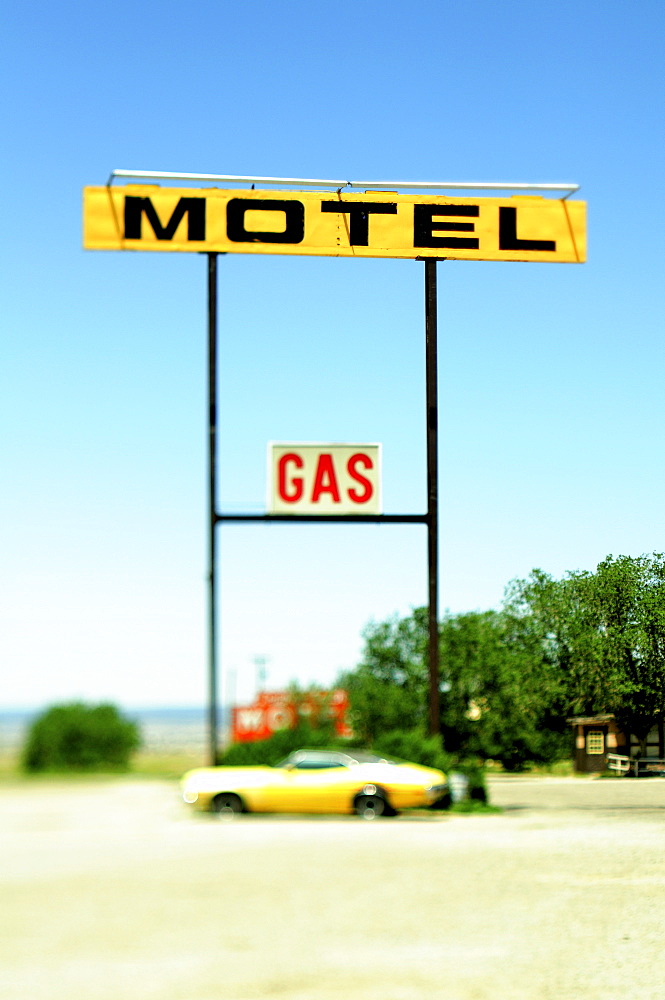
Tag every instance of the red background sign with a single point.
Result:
(274, 710)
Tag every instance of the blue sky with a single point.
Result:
(551, 376)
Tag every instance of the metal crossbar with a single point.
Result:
(339, 184)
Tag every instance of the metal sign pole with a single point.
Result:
(212, 506)
(432, 489)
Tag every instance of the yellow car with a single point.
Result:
(317, 781)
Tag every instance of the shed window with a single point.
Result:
(595, 743)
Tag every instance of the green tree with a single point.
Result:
(629, 600)
(79, 737)
(557, 622)
(602, 638)
(388, 690)
(496, 704)
(490, 703)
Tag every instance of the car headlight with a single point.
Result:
(190, 796)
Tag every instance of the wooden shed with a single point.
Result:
(598, 735)
(595, 737)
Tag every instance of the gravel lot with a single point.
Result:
(112, 890)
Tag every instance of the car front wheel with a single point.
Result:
(227, 805)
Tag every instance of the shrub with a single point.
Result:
(79, 737)
(413, 745)
(474, 774)
(271, 751)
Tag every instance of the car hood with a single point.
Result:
(418, 772)
(203, 778)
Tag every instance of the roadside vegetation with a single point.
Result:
(590, 643)
(80, 738)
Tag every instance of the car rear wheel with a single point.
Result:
(227, 805)
(371, 806)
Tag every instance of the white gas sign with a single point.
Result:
(309, 478)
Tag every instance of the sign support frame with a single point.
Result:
(431, 518)
(508, 241)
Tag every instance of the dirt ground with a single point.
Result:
(112, 890)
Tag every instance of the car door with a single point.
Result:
(315, 787)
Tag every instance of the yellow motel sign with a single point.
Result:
(333, 224)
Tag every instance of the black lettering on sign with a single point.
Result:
(359, 213)
(508, 234)
(136, 208)
(294, 215)
(425, 225)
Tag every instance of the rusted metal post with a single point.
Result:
(432, 490)
(212, 505)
